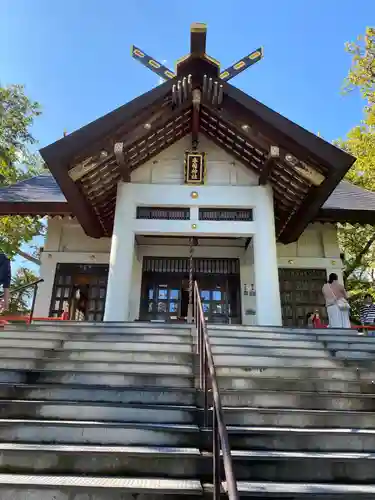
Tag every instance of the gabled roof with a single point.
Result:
(39, 195)
(302, 168)
(347, 203)
(350, 203)
(85, 166)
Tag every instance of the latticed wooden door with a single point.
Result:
(301, 293)
(92, 278)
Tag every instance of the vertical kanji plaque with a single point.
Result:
(195, 168)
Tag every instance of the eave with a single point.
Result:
(89, 163)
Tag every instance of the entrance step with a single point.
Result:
(297, 491)
(296, 439)
(51, 340)
(304, 466)
(104, 412)
(301, 381)
(151, 375)
(137, 367)
(100, 393)
(303, 418)
(96, 488)
(97, 432)
(290, 399)
(114, 461)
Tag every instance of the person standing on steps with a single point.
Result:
(5, 276)
(367, 312)
(337, 304)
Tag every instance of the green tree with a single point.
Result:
(17, 114)
(20, 302)
(358, 242)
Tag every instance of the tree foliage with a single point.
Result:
(20, 302)
(358, 242)
(17, 114)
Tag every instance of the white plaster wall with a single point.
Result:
(168, 166)
(66, 242)
(317, 248)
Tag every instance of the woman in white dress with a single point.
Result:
(337, 304)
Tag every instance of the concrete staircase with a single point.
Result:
(300, 410)
(94, 412)
(98, 412)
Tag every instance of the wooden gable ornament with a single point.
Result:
(195, 168)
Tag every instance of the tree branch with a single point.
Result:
(358, 259)
(29, 257)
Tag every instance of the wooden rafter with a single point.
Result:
(121, 162)
(267, 167)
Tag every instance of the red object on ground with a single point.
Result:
(316, 321)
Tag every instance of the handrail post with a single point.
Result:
(33, 303)
(216, 456)
(209, 386)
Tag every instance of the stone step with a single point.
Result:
(103, 412)
(182, 463)
(267, 398)
(349, 338)
(101, 328)
(287, 417)
(274, 360)
(99, 433)
(100, 393)
(303, 467)
(296, 491)
(33, 487)
(128, 377)
(137, 366)
(24, 339)
(297, 439)
(291, 381)
(290, 343)
(270, 351)
(175, 353)
(329, 373)
(280, 335)
(162, 356)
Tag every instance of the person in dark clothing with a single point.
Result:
(5, 276)
(367, 312)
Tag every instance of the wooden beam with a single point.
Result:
(88, 165)
(78, 205)
(198, 32)
(309, 209)
(268, 165)
(121, 162)
(195, 127)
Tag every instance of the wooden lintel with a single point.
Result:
(266, 170)
(195, 127)
(121, 162)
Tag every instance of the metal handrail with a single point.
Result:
(34, 284)
(207, 373)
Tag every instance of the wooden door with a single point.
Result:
(301, 293)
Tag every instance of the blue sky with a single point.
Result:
(74, 56)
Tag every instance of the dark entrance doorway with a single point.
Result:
(81, 289)
(301, 293)
(165, 285)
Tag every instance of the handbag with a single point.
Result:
(342, 303)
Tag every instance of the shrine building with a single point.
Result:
(192, 180)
